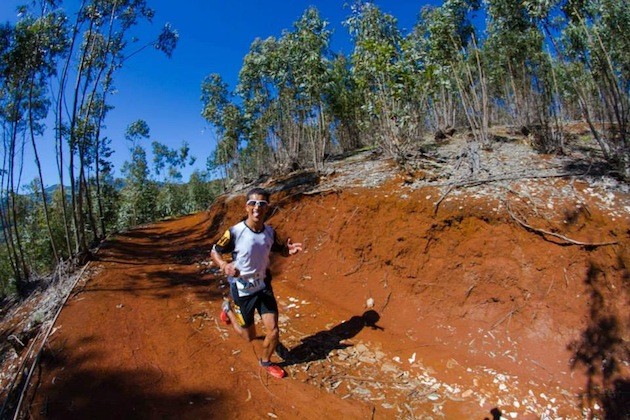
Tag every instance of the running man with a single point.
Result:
(251, 242)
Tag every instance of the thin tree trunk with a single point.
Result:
(22, 273)
(88, 199)
(77, 199)
(41, 181)
(97, 177)
(60, 132)
(4, 212)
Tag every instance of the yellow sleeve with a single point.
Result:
(224, 244)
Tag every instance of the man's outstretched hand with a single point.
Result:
(293, 248)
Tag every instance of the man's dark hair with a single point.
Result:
(259, 191)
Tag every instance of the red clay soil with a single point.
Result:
(397, 308)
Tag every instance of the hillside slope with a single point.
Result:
(414, 298)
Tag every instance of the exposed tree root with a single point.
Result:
(556, 235)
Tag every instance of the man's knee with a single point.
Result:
(248, 333)
(273, 333)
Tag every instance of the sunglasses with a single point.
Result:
(261, 203)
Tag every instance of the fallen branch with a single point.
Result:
(475, 182)
(37, 355)
(354, 269)
(386, 302)
(322, 191)
(358, 266)
(508, 315)
(437, 204)
(557, 235)
(540, 366)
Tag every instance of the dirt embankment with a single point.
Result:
(408, 301)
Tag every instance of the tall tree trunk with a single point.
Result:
(97, 178)
(76, 197)
(60, 134)
(53, 247)
(90, 213)
(22, 272)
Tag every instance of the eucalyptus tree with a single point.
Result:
(9, 138)
(39, 57)
(168, 163)
(432, 77)
(596, 52)
(413, 92)
(271, 82)
(99, 45)
(307, 77)
(283, 84)
(440, 39)
(201, 191)
(257, 89)
(139, 194)
(37, 230)
(455, 63)
(517, 64)
(48, 38)
(227, 120)
(344, 102)
(28, 53)
(105, 188)
(386, 78)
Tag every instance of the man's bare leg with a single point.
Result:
(248, 333)
(270, 321)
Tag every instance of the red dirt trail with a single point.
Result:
(393, 310)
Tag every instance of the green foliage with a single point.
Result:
(283, 85)
(514, 51)
(377, 50)
(142, 199)
(50, 58)
(35, 236)
(344, 104)
(442, 33)
(58, 224)
(139, 195)
(138, 206)
(597, 58)
(387, 69)
(226, 118)
(7, 281)
(137, 130)
(171, 160)
(201, 192)
(215, 97)
(171, 201)
(167, 40)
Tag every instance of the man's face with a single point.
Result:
(256, 207)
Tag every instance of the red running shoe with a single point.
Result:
(273, 369)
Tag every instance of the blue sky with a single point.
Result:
(214, 36)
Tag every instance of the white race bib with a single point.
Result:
(248, 287)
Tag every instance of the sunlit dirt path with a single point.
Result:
(394, 310)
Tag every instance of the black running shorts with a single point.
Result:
(245, 306)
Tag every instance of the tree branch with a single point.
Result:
(557, 235)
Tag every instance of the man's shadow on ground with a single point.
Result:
(319, 345)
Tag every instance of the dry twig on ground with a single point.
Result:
(556, 235)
